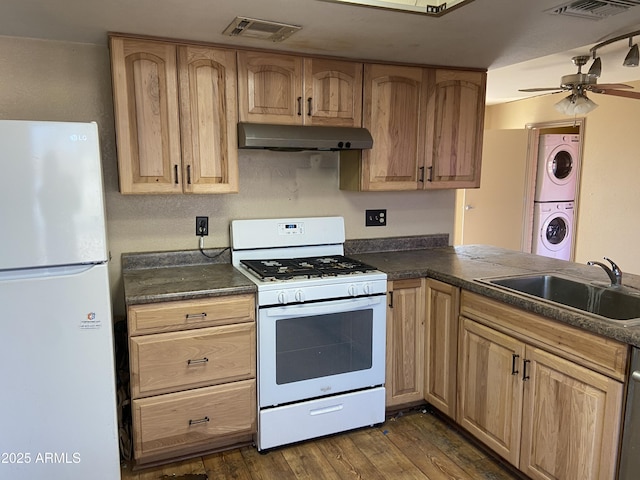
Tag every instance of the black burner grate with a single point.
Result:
(308, 267)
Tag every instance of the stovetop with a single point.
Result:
(306, 267)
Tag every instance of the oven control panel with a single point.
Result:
(291, 228)
(310, 291)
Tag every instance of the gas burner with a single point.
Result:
(307, 267)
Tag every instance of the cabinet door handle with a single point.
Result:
(309, 106)
(175, 174)
(199, 361)
(525, 376)
(514, 359)
(189, 174)
(299, 105)
(390, 299)
(190, 316)
(430, 179)
(421, 178)
(198, 421)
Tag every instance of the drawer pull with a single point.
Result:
(199, 421)
(197, 362)
(190, 316)
(322, 411)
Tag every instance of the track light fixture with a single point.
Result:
(633, 57)
(631, 60)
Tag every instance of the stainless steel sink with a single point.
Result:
(617, 303)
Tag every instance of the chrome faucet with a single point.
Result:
(615, 274)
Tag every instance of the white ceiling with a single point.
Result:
(520, 44)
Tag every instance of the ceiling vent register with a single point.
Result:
(261, 29)
(593, 9)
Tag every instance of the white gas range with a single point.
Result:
(321, 328)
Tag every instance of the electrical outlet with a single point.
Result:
(375, 218)
(202, 226)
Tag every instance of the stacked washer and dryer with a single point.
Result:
(553, 221)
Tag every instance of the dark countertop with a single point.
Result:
(166, 283)
(459, 266)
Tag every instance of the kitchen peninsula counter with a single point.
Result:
(461, 266)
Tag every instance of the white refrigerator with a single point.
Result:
(57, 373)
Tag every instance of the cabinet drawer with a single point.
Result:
(188, 314)
(167, 362)
(192, 420)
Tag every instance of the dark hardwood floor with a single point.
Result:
(413, 445)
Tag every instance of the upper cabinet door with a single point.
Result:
(455, 122)
(208, 119)
(333, 92)
(270, 88)
(146, 114)
(394, 107)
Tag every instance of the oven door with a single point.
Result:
(317, 349)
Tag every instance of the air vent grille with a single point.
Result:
(593, 9)
(262, 29)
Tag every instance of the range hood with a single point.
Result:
(299, 137)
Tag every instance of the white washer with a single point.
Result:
(553, 229)
(558, 162)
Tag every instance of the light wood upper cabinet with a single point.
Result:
(394, 108)
(405, 342)
(427, 127)
(175, 112)
(208, 118)
(441, 345)
(292, 90)
(454, 123)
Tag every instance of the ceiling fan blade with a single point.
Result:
(621, 93)
(539, 89)
(609, 86)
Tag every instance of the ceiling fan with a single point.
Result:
(580, 83)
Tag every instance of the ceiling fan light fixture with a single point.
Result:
(633, 57)
(576, 104)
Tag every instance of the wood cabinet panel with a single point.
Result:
(455, 122)
(189, 314)
(208, 119)
(570, 423)
(178, 423)
(394, 105)
(174, 361)
(269, 88)
(490, 401)
(405, 342)
(333, 92)
(147, 115)
(441, 345)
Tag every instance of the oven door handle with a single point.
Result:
(321, 309)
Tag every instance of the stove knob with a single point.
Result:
(299, 296)
(353, 290)
(282, 298)
(367, 289)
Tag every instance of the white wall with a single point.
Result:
(66, 81)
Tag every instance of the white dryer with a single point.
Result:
(558, 163)
(553, 229)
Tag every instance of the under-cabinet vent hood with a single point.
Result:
(299, 137)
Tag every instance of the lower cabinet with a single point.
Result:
(441, 345)
(193, 376)
(541, 395)
(405, 342)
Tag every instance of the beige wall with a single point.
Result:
(607, 220)
(71, 82)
